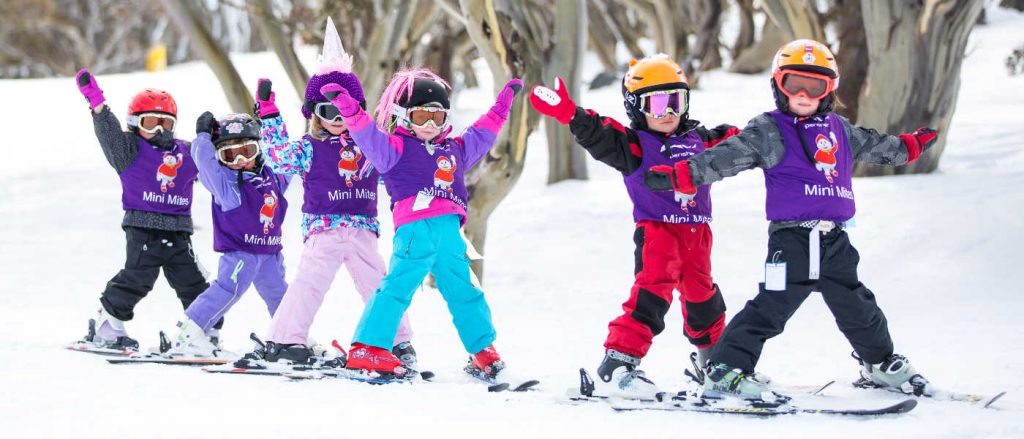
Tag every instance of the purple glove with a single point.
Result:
(88, 87)
(265, 106)
(338, 96)
(503, 102)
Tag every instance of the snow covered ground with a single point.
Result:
(941, 252)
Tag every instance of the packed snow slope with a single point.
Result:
(941, 252)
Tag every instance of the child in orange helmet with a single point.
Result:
(672, 235)
(807, 154)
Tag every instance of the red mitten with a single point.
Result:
(664, 177)
(918, 142)
(554, 103)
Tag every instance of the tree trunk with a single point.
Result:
(1013, 4)
(566, 161)
(188, 19)
(707, 35)
(615, 14)
(504, 40)
(745, 39)
(602, 40)
(385, 50)
(852, 57)
(274, 36)
(758, 57)
(915, 52)
(796, 18)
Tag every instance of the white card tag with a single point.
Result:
(775, 274)
(422, 201)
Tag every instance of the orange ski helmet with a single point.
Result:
(805, 55)
(652, 73)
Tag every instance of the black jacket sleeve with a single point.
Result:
(119, 146)
(607, 140)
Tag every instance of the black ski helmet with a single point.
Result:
(236, 126)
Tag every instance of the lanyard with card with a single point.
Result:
(775, 273)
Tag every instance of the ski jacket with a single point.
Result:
(120, 149)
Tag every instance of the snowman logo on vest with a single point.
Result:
(444, 177)
(825, 156)
(348, 166)
(168, 170)
(267, 211)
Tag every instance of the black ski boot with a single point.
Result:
(406, 354)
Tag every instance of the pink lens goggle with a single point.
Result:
(661, 103)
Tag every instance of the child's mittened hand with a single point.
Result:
(206, 124)
(503, 102)
(88, 87)
(265, 106)
(554, 103)
(664, 177)
(919, 141)
(338, 96)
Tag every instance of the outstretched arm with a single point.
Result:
(381, 148)
(870, 146)
(115, 142)
(758, 145)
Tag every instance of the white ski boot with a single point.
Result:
(894, 373)
(192, 341)
(618, 376)
(108, 332)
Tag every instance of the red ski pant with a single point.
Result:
(669, 257)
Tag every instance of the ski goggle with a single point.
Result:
(421, 116)
(813, 85)
(151, 122)
(232, 153)
(661, 103)
(327, 112)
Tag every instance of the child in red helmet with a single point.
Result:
(157, 174)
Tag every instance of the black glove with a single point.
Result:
(207, 124)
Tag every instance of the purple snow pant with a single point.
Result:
(237, 271)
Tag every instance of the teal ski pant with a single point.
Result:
(432, 245)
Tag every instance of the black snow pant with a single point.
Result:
(852, 304)
(149, 250)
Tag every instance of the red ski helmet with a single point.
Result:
(151, 100)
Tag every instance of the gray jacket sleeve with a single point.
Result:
(758, 145)
(117, 144)
(870, 146)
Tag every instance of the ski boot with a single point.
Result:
(192, 341)
(406, 354)
(107, 332)
(894, 373)
(487, 365)
(720, 380)
(375, 361)
(618, 376)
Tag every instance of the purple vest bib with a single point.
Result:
(439, 175)
(340, 180)
(813, 181)
(255, 225)
(159, 181)
(663, 205)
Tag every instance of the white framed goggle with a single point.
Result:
(153, 122)
(232, 154)
(661, 103)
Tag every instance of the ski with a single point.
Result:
(160, 359)
(358, 375)
(985, 401)
(495, 386)
(83, 346)
(702, 405)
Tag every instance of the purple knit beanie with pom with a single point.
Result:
(313, 96)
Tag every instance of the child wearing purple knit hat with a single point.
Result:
(339, 210)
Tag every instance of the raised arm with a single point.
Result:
(604, 138)
(117, 144)
(480, 137)
(220, 181)
(870, 146)
(381, 148)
